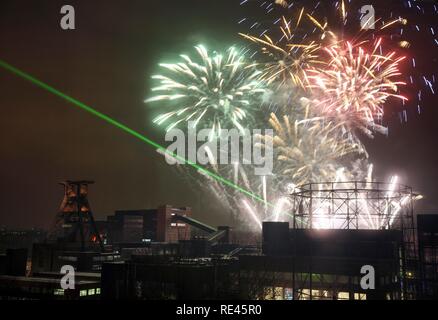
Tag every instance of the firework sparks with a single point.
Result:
(355, 84)
(219, 91)
(307, 150)
(324, 90)
(287, 60)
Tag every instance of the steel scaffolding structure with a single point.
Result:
(75, 221)
(356, 205)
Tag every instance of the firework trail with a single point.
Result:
(218, 91)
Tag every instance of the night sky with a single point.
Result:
(106, 63)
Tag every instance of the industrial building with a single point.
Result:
(47, 287)
(317, 255)
(148, 225)
(293, 264)
(18, 239)
(165, 253)
(304, 264)
(17, 284)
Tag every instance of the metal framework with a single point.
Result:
(356, 205)
(353, 205)
(75, 221)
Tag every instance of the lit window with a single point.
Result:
(91, 292)
(83, 293)
(343, 296)
(268, 293)
(315, 294)
(97, 290)
(360, 296)
(305, 294)
(58, 292)
(278, 293)
(288, 294)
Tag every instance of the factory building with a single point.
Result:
(148, 225)
(304, 264)
(47, 287)
(294, 264)
(164, 253)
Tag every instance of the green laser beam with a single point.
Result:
(125, 128)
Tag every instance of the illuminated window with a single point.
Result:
(319, 294)
(288, 294)
(278, 293)
(268, 293)
(343, 296)
(305, 294)
(91, 292)
(83, 293)
(315, 294)
(360, 296)
(58, 292)
(97, 290)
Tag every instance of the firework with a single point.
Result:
(400, 26)
(355, 84)
(287, 60)
(218, 90)
(307, 150)
(324, 89)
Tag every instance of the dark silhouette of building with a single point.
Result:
(427, 225)
(164, 277)
(46, 286)
(20, 238)
(50, 257)
(293, 264)
(149, 225)
(315, 264)
(74, 239)
(14, 262)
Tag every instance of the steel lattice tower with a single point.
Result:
(74, 221)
